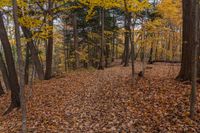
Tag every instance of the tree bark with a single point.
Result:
(66, 43)
(127, 41)
(49, 51)
(107, 51)
(101, 66)
(27, 64)
(34, 53)
(14, 85)
(4, 72)
(142, 56)
(127, 22)
(113, 39)
(186, 67)
(150, 61)
(75, 30)
(132, 37)
(1, 90)
(195, 44)
(21, 65)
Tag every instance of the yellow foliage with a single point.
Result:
(171, 10)
(133, 5)
(29, 22)
(4, 3)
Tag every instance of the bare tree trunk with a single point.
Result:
(13, 81)
(151, 54)
(143, 54)
(116, 51)
(127, 40)
(1, 90)
(186, 67)
(194, 85)
(113, 39)
(127, 34)
(49, 51)
(21, 65)
(27, 64)
(101, 67)
(193, 97)
(65, 44)
(107, 51)
(4, 72)
(152, 44)
(132, 53)
(75, 40)
(34, 53)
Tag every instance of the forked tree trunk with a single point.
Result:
(13, 81)
(21, 65)
(34, 53)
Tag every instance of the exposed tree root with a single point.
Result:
(11, 108)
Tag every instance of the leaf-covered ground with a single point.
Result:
(107, 102)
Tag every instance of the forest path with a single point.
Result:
(98, 101)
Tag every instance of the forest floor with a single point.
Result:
(95, 101)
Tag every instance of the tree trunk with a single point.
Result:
(34, 53)
(195, 44)
(132, 37)
(127, 34)
(151, 54)
(1, 90)
(107, 51)
(142, 54)
(27, 64)
(75, 40)
(49, 51)
(14, 85)
(66, 43)
(116, 51)
(127, 39)
(101, 67)
(186, 67)
(4, 72)
(21, 65)
(113, 39)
